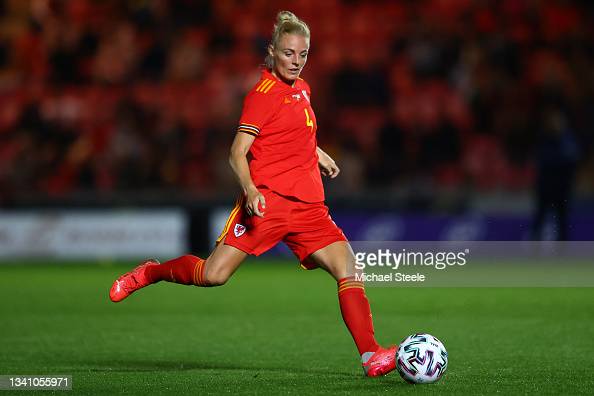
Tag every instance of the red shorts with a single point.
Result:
(304, 227)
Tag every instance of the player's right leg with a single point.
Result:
(186, 270)
(339, 261)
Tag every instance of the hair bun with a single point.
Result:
(285, 16)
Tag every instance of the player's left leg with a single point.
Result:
(185, 270)
(191, 270)
(242, 235)
(339, 261)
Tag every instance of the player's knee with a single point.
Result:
(216, 277)
(339, 271)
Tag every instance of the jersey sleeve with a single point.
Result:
(258, 108)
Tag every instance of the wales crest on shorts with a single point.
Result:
(239, 230)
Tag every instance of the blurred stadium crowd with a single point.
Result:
(110, 96)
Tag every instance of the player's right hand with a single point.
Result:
(254, 201)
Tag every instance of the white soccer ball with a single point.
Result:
(421, 359)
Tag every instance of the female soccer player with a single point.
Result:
(278, 165)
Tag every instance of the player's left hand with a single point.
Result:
(327, 166)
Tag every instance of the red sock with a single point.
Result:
(187, 270)
(356, 313)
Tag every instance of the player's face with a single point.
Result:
(290, 56)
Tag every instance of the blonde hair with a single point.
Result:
(286, 23)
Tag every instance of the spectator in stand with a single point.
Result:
(556, 159)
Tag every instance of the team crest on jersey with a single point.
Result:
(239, 230)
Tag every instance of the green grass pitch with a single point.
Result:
(275, 329)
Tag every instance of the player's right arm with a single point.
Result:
(239, 163)
(258, 106)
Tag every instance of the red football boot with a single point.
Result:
(131, 281)
(379, 363)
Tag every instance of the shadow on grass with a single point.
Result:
(325, 380)
(160, 365)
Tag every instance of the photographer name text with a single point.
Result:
(398, 277)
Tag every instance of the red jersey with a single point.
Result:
(283, 156)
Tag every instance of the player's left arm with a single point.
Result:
(327, 165)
